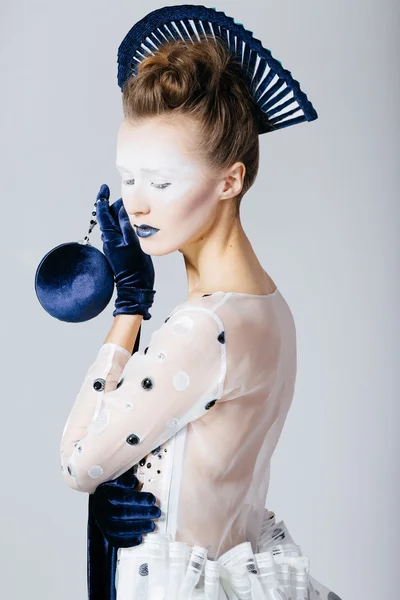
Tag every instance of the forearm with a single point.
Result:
(103, 375)
(124, 331)
(110, 430)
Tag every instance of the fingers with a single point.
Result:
(114, 209)
(113, 219)
(106, 217)
(128, 527)
(104, 193)
(128, 232)
(122, 489)
(120, 495)
(126, 509)
(127, 480)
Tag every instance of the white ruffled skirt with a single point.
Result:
(162, 569)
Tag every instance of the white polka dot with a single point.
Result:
(95, 471)
(182, 325)
(101, 422)
(181, 380)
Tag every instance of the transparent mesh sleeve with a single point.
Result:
(110, 429)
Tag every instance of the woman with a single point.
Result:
(198, 414)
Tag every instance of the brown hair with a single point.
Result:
(204, 81)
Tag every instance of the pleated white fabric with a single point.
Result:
(162, 569)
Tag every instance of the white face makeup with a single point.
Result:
(164, 184)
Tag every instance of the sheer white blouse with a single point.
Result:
(199, 413)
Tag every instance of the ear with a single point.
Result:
(233, 181)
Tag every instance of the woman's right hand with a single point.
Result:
(122, 513)
(133, 269)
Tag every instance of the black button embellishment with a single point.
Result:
(142, 462)
(156, 450)
(145, 350)
(148, 465)
(158, 472)
(120, 383)
(210, 404)
(251, 567)
(147, 383)
(278, 534)
(99, 385)
(144, 570)
(132, 439)
(221, 337)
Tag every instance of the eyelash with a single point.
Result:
(160, 186)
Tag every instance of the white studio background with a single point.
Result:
(322, 217)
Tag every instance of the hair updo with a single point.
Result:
(204, 81)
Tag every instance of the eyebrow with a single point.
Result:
(122, 168)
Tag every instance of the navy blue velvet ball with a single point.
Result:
(74, 282)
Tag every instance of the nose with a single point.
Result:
(135, 205)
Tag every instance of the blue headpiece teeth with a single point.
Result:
(278, 96)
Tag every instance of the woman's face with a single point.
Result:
(164, 183)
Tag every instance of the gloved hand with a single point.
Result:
(123, 514)
(133, 269)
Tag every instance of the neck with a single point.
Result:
(221, 256)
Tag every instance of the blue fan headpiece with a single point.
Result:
(278, 96)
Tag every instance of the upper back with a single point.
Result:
(221, 460)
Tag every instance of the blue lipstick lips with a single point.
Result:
(145, 230)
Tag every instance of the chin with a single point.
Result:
(155, 247)
(157, 250)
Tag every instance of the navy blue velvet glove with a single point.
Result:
(133, 269)
(122, 513)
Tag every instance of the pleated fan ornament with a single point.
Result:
(259, 68)
(74, 281)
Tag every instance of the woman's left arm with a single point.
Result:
(114, 422)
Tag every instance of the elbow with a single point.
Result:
(79, 479)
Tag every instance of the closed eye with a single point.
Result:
(160, 186)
